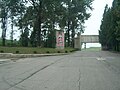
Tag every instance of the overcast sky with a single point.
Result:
(94, 22)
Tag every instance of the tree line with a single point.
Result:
(109, 33)
(38, 20)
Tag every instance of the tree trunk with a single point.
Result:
(68, 34)
(53, 34)
(68, 31)
(73, 35)
(3, 37)
(117, 46)
(39, 24)
(4, 21)
(39, 31)
(3, 42)
(12, 32)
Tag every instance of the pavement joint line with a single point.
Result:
(79, 80)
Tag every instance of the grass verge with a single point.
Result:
(92, 49)
(31, 50)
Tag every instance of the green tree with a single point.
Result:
(104, 28)
(109, 31)
(24, 37)
(15, 8)
(9, 9)
(44, 16)
(74, 16)
(4, 17)
(116, 19)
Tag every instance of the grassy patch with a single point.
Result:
(92, 49)
(31, 50)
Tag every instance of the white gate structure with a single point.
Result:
(80, 39)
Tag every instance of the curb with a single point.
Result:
(10, 55)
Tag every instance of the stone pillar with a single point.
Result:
(77, 42)
(84, 45)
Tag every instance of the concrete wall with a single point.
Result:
(89, 39)
(77, 43)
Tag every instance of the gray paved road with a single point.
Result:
(85, 70)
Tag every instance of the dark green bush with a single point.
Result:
(17, 52)
(66, 51)
(35, 52)
(58, 51)
(47, 52)
(2, 51)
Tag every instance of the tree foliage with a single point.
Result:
(109, 33)
(38, 19)
(9, 9)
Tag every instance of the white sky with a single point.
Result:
(94, 22)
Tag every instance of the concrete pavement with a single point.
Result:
(77, 71)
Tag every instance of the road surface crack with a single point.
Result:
(112, 67)
(79, 80)
(15, 84)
